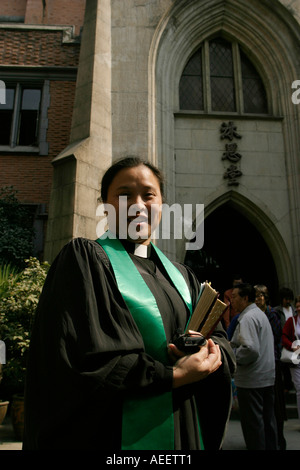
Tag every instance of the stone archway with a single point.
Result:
(238, 248)
(235, 225)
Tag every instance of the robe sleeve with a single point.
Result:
(83, 320)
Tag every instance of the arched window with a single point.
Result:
(219, 77)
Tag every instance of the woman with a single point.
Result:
(103, 372)
(291, 341)
(262, 301)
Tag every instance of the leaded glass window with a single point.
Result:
(255, 99)
(190, 87)
(219, 77)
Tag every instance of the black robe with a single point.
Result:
(86, 354)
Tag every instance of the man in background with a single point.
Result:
(230, 312)
(254, 378)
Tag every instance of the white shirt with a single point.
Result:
(288, 312)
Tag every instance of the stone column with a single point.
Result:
(79, 168)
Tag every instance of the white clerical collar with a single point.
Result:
(137, 249)
(142, 251)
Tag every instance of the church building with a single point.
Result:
(207, 90)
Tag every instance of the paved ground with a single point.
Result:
(233, 441)
(7, 438)
(234, 437)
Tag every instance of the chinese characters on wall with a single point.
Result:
(229, 131)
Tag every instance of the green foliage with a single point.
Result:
(16, 231)
(17, 309)
(7, 272)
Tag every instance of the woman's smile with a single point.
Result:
(136, 198)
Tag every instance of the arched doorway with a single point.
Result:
(233, 245)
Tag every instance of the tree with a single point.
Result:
(16, 229)
(17, 309)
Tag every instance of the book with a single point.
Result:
(208, 311)
(213, 318)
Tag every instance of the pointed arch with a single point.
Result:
(220, 77)
(265, 223)
(262, 220)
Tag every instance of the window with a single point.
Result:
(253, 89)
(219, 77)
(21, 118)
(191, 89)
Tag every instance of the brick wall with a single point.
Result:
(23, 47)
(13, 8)
(31, 174)
(49, 12)
(60, 115)
(56, 12)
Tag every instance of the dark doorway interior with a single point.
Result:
(233, 245)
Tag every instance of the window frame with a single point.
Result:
(19, 84)
(237, 78)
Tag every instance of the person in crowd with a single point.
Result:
(103, 371)
(262, 300)
(254, 378)
(230, 312)
(285, 310)
(232, 326)
(291, 341)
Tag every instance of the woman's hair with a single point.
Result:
(297, 299)
(261, 289)
(128, 162)
(286, 293)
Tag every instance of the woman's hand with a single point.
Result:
(197, 366)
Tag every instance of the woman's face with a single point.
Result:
(260, 301)
(134, 203)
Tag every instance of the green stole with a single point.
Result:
(148, 422)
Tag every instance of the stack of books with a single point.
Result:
(208, 311)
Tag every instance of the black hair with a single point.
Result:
(128, 162)
(286, 293)
(246, 289)
(262, 289)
